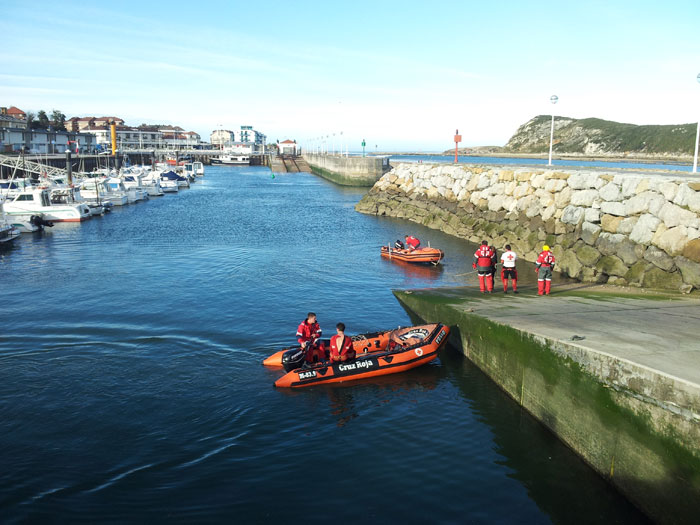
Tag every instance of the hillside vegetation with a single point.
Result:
(594, 136)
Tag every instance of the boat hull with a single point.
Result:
(421, 255)
(392, 360)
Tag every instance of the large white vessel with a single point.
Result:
(38, 201)
(231, 159)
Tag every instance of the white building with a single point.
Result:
(221, 137)
(288, 147)
(40, 141)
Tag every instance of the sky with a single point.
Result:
(403, 75)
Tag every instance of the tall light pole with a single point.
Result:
(553, 99)
(697, 139)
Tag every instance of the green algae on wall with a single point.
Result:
(610, 428)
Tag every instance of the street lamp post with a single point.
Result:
(697, 139)
(553, 99)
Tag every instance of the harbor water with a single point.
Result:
(132, 390)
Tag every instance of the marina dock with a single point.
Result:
(614, 373)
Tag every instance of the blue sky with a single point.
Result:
(402, 75)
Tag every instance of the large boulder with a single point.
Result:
(659, 279)
(673, 215)
(692, 250)
(610, 223)
(659, 258)
(609, 243)
(647, 201)
(587, 255)
(672, 240)
(572, 215)
(611, 265)
(644, 229)
(582, 181)
(613, 208)
(610, 192)
(627, 225)
(583, 197)
(569, 264)
(590, 232)
(690, 270)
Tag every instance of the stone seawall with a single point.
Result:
(624, 228)
(348, 171)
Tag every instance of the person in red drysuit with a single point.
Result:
(545, 263)
(308, 336)
(341, 346)
(483, 261)
(412, 243)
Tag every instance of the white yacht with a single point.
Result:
(38, 201)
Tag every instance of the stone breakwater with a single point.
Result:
(630, 229)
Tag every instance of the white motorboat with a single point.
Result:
(182, 182)
(8, 232)
(94, 190)
(198, 169)
(38, 201)
(117, 184)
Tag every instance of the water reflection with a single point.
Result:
(427, 272)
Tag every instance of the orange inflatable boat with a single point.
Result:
(421, 255)
(388, 353)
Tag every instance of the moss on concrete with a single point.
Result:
(653, 468)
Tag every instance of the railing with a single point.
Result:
(28, 166)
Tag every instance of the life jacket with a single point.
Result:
(412, 241)
(483, 256)
(346, 347)
(546, 259)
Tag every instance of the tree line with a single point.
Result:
(57, 121)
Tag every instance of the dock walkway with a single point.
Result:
(614, 373)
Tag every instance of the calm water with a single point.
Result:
(569, 163)
(131, 388)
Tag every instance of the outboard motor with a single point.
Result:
(38, 220)
(293, 359)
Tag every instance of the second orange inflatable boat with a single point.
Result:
(421, 255)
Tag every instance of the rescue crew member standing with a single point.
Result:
(545, 263)
(412, 243)
(483, 259)
(508, 270)
(308, 335)
(341, 346)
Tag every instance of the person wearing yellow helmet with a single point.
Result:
(545, 263)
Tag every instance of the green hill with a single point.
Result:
(593, 136)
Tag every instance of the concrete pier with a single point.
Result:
(614, 373)
(348, 171)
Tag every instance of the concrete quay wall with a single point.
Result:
(637, 426)
(347, 171)
(623, 228)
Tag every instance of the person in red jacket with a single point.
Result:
(341, 346)
(545, 263)
(412, 243)
(483, 261)
(308, 336)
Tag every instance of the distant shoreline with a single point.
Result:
(649, 159)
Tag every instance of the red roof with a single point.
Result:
(287, 142)
(15, 111)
